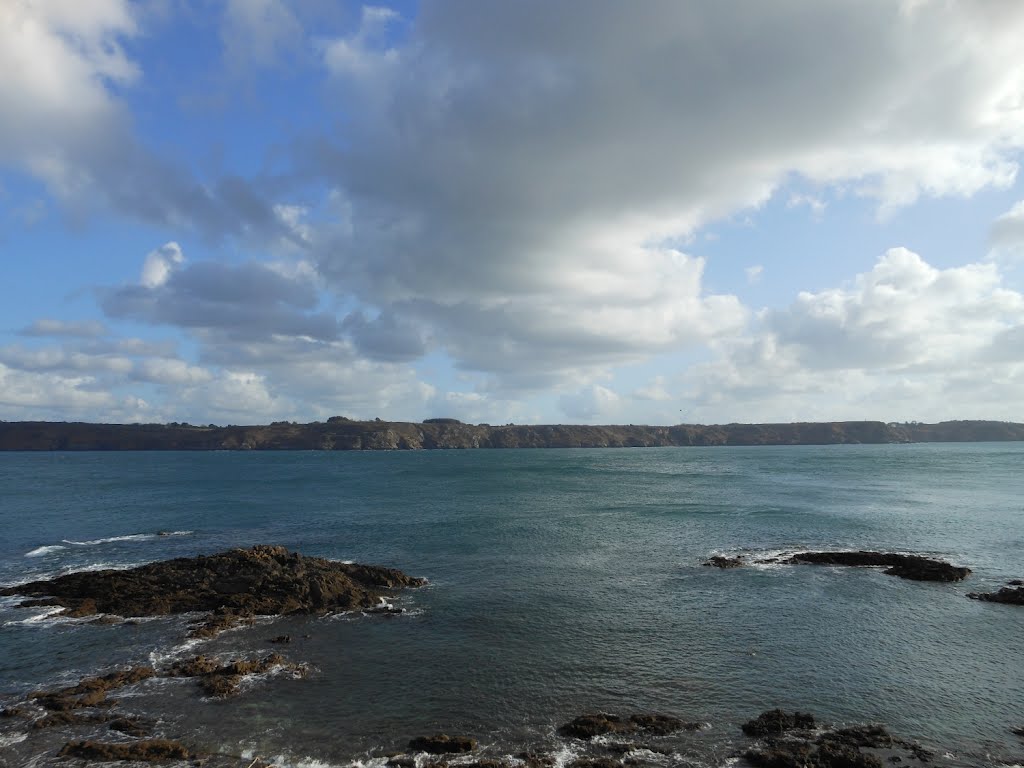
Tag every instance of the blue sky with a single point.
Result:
(254, 210)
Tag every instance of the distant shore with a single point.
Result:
(341, 434)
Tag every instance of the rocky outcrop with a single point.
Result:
(220, 681)
(588, 726)
(340, 434)
(775, 721)
(718, 561)
(912, 567)
(90, 692)
(442, 744)
(233, 586)
(1011, 594)
(789, 740)
(139, 751)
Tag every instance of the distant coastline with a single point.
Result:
(341, 434)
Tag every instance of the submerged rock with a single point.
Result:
(128, 726)
(914, 567)
(588, 726)
(719, 561)
(790, 741)
(775, 721)
(143, 751)
(233, 586)
(1012, 594)
(223, 680)
(442, 744)
(90, 692)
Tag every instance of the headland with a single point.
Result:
(342, 434)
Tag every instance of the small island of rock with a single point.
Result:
(232, 586)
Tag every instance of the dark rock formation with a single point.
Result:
(718, 561)
(233, 586)
(591, 725)
(788, 741)
(1012, 594)
(141, 751)
(64, 718)
(128, 726)
(775, 721)
(912, 567)
(222, 680)
(442, 744)
(341, 434)
(90, 692)
(807, 755)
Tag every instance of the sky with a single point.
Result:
(243, 211)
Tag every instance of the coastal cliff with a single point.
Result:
(341, 434)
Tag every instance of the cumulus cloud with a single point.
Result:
(229, 302)
(590, 403)
(520, 187)
(904, 339)
(86, 329)
(159, 263)
(61, 66)
(1007, 235)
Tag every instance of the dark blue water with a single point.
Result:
(561, 581)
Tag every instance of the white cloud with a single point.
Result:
(86, 329)
(656, 390)
(159, 263)
(519, 187)
(903, 341)
(56, 58)
(1007, 235)
(593, 403)
(754, 273)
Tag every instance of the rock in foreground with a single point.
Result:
(443, 744)
(588, 726)
(264, 580)
(775, 721)
(791, 741)
(141, 751)
(913, 567)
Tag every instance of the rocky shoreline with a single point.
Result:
(92, 722)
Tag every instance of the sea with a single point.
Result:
(560, 582)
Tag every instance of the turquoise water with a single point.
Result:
(561, 581)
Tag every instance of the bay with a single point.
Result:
(561, 581)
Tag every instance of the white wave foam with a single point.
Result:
(111, 539)
(158, 658)
(285, 761)
(8, 739)
(38, 619)
(47, 550)
(563, 756)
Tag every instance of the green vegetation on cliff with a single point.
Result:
(339, 434)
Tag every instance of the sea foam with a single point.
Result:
(47, 550)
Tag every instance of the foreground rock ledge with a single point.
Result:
(232, 585)
(914, 567)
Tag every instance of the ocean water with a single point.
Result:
(560, 582)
